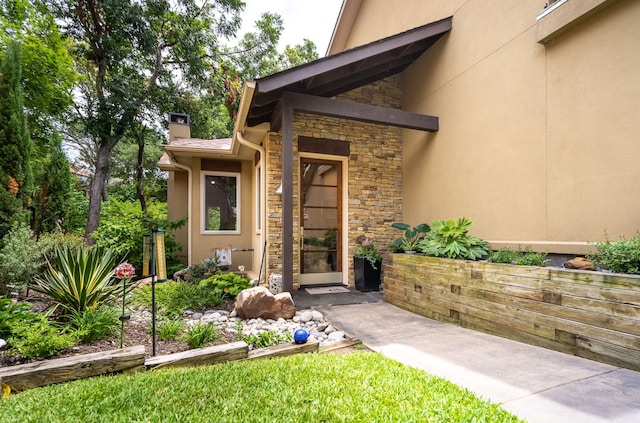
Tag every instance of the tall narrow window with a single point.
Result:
(220, 202)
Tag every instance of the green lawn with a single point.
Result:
(356, 387)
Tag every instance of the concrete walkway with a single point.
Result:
(536, 384)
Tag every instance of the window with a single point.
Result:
(220, 202)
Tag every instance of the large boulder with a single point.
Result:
(260, 302)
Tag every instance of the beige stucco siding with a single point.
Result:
(538, 143)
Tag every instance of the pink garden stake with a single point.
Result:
(125, 272)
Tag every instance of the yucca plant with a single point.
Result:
(80, 278)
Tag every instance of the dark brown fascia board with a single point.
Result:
(346, 58)
(354, 111)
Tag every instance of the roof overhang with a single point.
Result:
(337, 74)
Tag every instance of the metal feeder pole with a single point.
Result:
(153, 291)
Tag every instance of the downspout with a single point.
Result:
(175, 163)
(263, 187)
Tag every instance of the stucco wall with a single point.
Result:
(537, 143)
(374, 176)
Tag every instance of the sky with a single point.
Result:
(311, 19)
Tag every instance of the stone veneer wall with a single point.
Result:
(374, 172)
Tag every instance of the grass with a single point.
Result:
(356, 387)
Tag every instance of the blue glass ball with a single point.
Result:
(300, 336)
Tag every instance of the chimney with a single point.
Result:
(179, 126)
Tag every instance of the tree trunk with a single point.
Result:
(98, 187)
(140, 169)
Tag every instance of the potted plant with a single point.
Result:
(411, 237)
(367, 266)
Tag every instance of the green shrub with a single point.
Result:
(12, 314)
(519, 257)
(451, 239)
(123, 226)
(39, 339)
(19, 259)
(81, 279)
(92, 324)
(169, 329)
(226, 284)
(47, 243)
(622, 256)
(265, 339)
(172, 298)
(411, 237)
(200, 333)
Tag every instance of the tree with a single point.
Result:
(15, 145)
(131, 51)
(47, 81)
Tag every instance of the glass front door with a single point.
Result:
(320, 222)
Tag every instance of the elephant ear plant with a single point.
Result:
(79, 279)
(411, 236)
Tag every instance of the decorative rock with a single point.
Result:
(2, 343)
(580, 263)
(336, 336)
(196, 316)
(306, 316)
(275, 283)
(317, 316)
(260, 302)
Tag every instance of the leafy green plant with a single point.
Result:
(526, 257)
(368, 251)
(266, 339)
(19, 259)
(226, 283)
(39, 339)
(49, 241)
(451, 239)
(622, 256)
(411, 237)
(172, 298)
(169, 329)
(200, 333)
(12, 314)
(92, 324)
(79, 279)
(123, 226)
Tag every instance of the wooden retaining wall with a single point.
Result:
(132, 359)
(589, 314)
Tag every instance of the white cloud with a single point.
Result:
(311, 19)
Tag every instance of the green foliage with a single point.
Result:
(39, 339)
(16, 178)
(357, 387)
(622, 256)
(169, 329)
(124, 225)
(265, 339)
(19, 259)
(92, 324)
(77, 212)
(526, 257)
(200, 334)
(450, 239)
(226, 284)
(368, 251)
(79, 279)
(12, 314)
(172, 298)
(54, 178)
(411, 237)
(49, 241)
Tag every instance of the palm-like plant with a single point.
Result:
(80, 278)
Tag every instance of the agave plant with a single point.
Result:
(80, 278)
